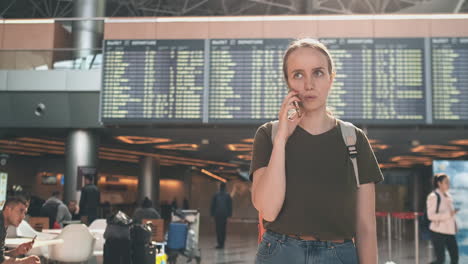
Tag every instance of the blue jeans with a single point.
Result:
(277, 248)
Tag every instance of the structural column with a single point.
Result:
(81, 153)
(148, 182)
(87, 34)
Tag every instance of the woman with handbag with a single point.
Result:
(441, 213)
(316, 209)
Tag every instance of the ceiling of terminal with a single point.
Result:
(227, 150)
(134, 8)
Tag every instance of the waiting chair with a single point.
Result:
(157, 229)
(39, 223)
(98, 227)
(78, 244)
(98, 224)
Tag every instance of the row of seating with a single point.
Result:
(90, 239)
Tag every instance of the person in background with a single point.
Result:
(56, 210)
(13, 213)
(443, 224)
(74, 210)
(90, 199)
(146, 211)
(174, 204)
(185, 204)
(221, 210)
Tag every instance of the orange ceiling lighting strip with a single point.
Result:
(29, 149)
(117, 159)
(60, 150)
(20, 143)
(394, 165)
(118, 155)
(245, 157)
(446, 154)
(141, 140)
(171, 158)
(248, 140)
(40, 150)
(463, 142)
(410, 158)
(377, 147)
(212, 175)
(44, 141)
(19, 152)
(189, 147)
(239, 147)
(424, 148)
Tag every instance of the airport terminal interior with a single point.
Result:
(161, 100)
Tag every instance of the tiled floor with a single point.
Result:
(241, 248)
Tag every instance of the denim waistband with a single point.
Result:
(285, 238)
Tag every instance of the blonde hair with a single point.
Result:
(307, 43)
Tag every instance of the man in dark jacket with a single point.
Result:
(221, 209)
(146, 211)
(90, 198)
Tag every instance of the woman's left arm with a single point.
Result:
(366, 234)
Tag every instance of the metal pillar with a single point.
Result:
(87, 34)
(81, 150)
(389, 231)
(148, 182)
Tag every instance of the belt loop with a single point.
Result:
(284, 238)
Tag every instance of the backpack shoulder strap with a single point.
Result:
(348, 131)
(438, 202)
(274, 129)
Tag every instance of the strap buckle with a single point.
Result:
(352, 150)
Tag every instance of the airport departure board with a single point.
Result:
(378, 80)
(240, 81)
(246, 81)
(449, 80)
(153, 80)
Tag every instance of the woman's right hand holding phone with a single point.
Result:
(289, 118)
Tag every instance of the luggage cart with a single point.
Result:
(190, 218)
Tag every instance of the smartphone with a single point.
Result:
(298, 108)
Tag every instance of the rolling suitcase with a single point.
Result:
(177, 236)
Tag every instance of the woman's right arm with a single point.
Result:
(269, 183)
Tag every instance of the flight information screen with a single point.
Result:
(152, 80)
(378, 80)
(245, 80)
(449, 80)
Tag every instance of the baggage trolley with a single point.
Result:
(183, 236)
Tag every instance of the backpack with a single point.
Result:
(50, 210)
(348, 131)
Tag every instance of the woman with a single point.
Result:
(303, 182)
(442, 216)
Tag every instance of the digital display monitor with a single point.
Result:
(450, 80)
(379, 80)
(246, 80)
(152, 81)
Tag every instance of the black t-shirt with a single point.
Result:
(321, 187)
